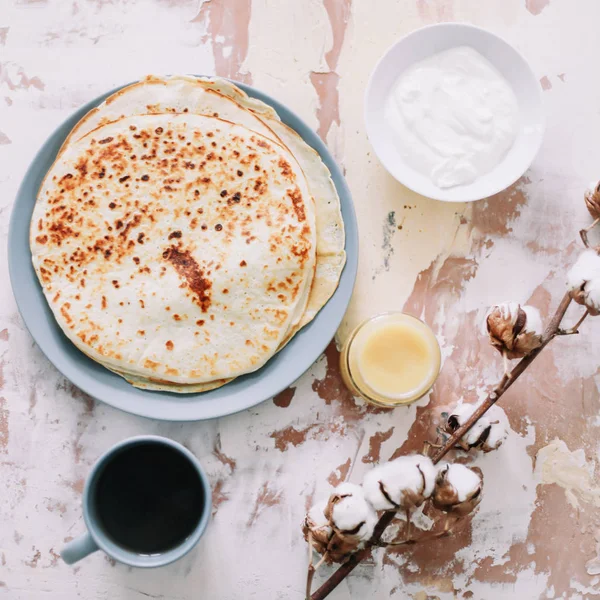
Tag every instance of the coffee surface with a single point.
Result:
(149, 498)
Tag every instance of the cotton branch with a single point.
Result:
(505, 383)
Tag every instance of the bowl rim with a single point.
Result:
(441, 196)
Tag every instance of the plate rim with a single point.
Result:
(71, 368)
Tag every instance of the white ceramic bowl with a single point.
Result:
(423, 43)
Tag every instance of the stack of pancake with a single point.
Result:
(185, 234)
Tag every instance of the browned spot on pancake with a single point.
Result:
(260, 186)
(59, 232)
(235, 199)
(106, 140)
(286, 168)
(81, 166)
(41, 239)
(175, 234)
(150, 364)
(297, 202)
(64, 311)
(301, 252)
(189, 270)
(104, 303)
(243, 263)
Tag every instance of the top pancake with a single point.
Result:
(221, 98)
(175, 247)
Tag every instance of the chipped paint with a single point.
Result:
(555, 463)
(375, 443)
(390, 228)
(284, 399)
(266, 498)
(4, 432)
(326, 83)
(535, 7)
(340, 474)
(222, 457)
(227, 25)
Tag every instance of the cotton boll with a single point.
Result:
(534, 320)
(583, 281)
(487, 434)
(316, 524)
(349, 512)
(428, 471)
(513, 329)
(592, 199)
(457, 488)
(459, 416)
(464, 480)
(340, 525)
(373, 485)
(403, 483)
(317, 514)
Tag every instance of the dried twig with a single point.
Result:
(583, 233)
(311, 570)
(426, 537)
(507, 380)
(575, 329)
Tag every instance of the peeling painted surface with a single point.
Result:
(535, 7)
(444, 263)
(555, 463)
(545, 83)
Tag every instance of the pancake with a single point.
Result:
(175, 249)
(219, 97)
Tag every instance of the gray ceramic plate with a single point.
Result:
(244, 392)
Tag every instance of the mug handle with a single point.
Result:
(78, 548)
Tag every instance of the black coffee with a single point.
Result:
(149, 498)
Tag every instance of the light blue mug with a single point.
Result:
(98, 538)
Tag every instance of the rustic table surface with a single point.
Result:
(537, 533)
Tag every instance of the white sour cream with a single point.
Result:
(454, 116)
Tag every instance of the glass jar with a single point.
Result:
(390, 359)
